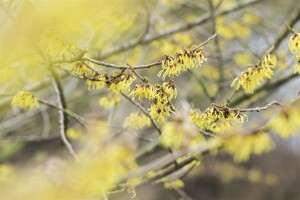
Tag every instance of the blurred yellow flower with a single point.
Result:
(137, 120)
(240, 146)
(25, 100)
(286, 124)
(187, 59)
(242, 59)
(96, 84)
(111, 100)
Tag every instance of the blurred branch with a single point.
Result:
(182, 193)
(285, 31)
(217, 44)
(176, 29)
(77, 117)
(63, 119)
(97, 62)
(202, 84)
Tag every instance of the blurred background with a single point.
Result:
(140, 32)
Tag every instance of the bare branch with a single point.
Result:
(258, 109)
(176, 29)
(70, 113)
(62, 116)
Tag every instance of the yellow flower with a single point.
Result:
(58, 49)
(96, 84)
(294, 44)
(172, 135)
(240, 146)
(25, 100)
(254, 75)
(216, 118)
(111, 100)
(137, 120)
(81, 70)
(286, 124)
(143, 90)
(120, 82)
(187, 59)
(160, 109)
(170, 89)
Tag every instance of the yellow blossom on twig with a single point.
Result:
(137, 120)
(143, 90)
(294, 46)
(217, 118)
(79, 69)
(187, 59)
(120, 82)
(96, 84)
(254, 75)
(25, 100)
(111, 100)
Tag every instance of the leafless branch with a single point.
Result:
(176, 29)
(62, 116)
(78, 118)
(258, 109)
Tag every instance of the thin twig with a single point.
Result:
(137, 74)
(105, 64)
(176, 29)
(206, 41)
(258, 109)
(70, 113)
(143, 110)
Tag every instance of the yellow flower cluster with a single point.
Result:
(254, 75)
(143, 90)
(240, 146)
(286, 124)
(294, 46)
(172, 135)
(120, 82)
(216, 118)
(111, 100)
(25, 100)
(162, 105)
(96, 84)
(58, 49)
(187, 59)
(137, 120)
(81, 70)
